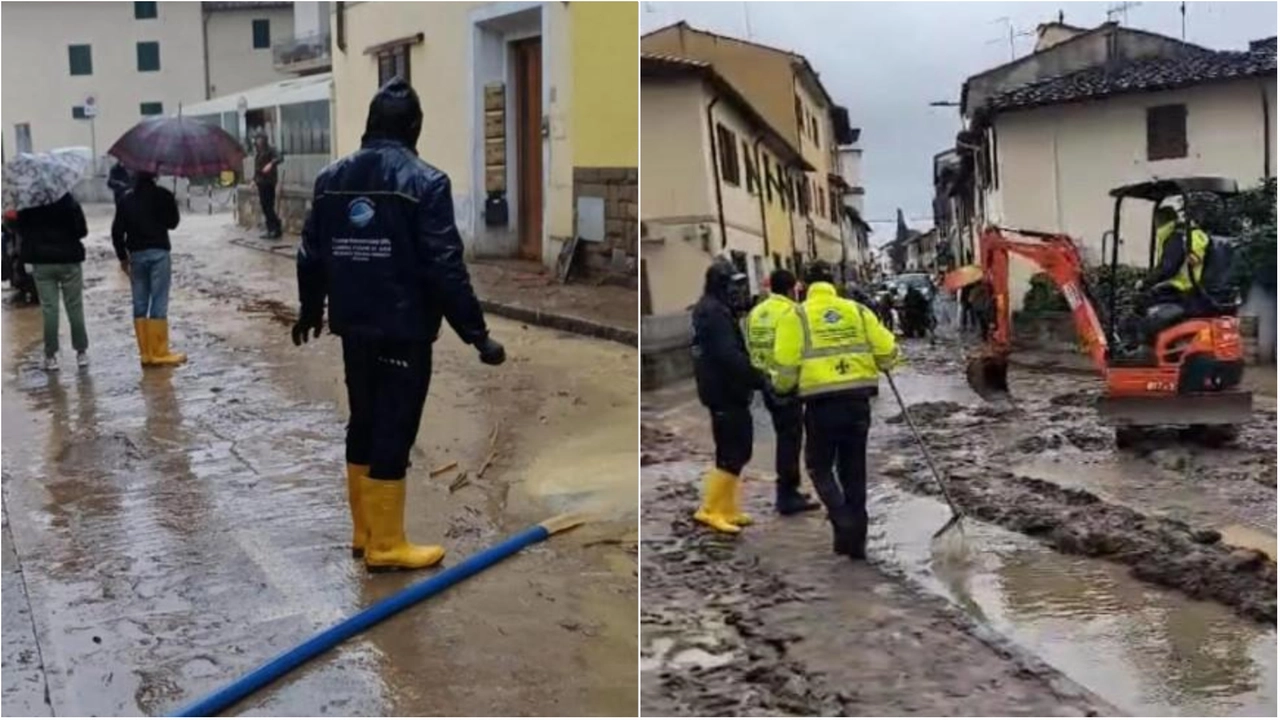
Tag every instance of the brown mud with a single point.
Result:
(986, 450)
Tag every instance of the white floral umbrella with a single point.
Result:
(34, 179)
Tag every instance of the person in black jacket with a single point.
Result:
(120, 180)
(140, 234)
(726, 382)
(52, 238)
(266, 173)
(381, 245)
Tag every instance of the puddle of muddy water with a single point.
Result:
(1147, 650)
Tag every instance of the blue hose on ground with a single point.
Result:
(372, 615)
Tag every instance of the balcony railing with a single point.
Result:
(302, 54)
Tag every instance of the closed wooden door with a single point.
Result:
(528, 57)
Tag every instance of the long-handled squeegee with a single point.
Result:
(956, 515)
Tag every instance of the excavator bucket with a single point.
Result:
(1227, 407)
(988, 375)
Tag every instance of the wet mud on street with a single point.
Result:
(1144, 577)
(167, 531)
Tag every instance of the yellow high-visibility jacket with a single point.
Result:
(831, 345)
(1188, 275)
(762, 327)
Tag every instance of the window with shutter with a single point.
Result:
(81, 57)
(727, 144)
(1166, 132)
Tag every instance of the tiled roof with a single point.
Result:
(1138, 76)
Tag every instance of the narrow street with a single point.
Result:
(167, 531)
(1089, 580)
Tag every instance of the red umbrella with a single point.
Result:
(179, 147)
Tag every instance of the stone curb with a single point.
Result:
(555, 321)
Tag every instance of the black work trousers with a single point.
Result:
(836, 457)
(788, 431)
(734, 433)
(267, 196)
(387, 382)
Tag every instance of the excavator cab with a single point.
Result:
(1188, 368)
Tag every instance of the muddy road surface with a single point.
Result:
(1144, 577)
(167, 531)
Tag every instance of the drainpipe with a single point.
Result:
(715, 170)
(1266, 133)
(204, 36)
(764, 222)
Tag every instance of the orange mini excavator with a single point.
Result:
(1186, 371)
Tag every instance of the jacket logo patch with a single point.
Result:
(361, 211)
(831, 317)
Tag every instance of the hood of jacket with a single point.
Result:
(395, 114)
(724, 282)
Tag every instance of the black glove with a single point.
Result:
(491, 351)
(307, 322)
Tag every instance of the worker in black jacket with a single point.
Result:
(382, 246)
(726, 382)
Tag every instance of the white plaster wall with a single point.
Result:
(234, 64)
(37, 86)
(1057, 164)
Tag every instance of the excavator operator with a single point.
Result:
(1177, 272)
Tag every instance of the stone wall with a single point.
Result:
(292, 205)
(614, 259)
(665, 357)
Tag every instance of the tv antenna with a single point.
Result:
(1012, 33)
(1121, 10)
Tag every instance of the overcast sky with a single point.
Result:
(886, 61)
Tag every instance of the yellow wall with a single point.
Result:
(445, 140)
(606, 56)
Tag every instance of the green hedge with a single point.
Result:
(1043, 295)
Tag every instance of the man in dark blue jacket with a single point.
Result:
(726, 382)
(381, 244)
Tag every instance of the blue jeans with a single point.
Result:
(149, 275)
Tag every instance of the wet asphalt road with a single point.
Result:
(166, 531)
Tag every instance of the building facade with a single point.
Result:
(83, 73)
(718, 182)
(789, 95)
(1048, 136)
(529, 107)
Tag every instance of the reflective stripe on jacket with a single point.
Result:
(762, 327)
(1189, 274)
(831, 345)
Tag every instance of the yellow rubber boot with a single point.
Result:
(736, 516)
(158, 334)
(359, 528)
(387, 548)
(144, 340)
(717, 502)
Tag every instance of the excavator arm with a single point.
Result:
(1056, 256)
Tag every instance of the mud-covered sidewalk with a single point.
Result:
(772, 623)
(167, 531)
(523, 290)
(1145, 576)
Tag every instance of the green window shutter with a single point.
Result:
(81, 58)
(261, 34)
(148, 57)
(151, 108)
(145, 11)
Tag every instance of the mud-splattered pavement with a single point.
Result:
(167, 531)
(1141, 576)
